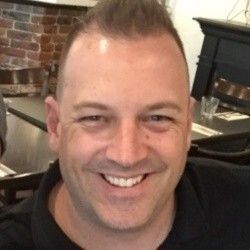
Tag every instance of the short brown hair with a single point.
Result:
(122, 18)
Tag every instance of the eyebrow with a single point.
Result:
(163, 105)
(149, 107)
(85, 104)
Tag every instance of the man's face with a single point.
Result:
(123, 128)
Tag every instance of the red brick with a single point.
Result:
(59, 38)
(19, 35)
(25, 45)
(65, 29)
(59, 47)
(15, 15)
(49, 29)
(5, 23)
(4, 41)
(46, 64)
(56, 55)
(45, 10)
(38, 10)
(33, 55)
(44, 56)
(52, 11)
(5, 5)
(43, 20)
(2, 32)
(30, 27)
(42, 39)
(49, 47)
(12, 52)
(32, 63)
(24, 7)
(19, 61)
(76, 20)
(64, 20)
(4, 59)
(72, 12)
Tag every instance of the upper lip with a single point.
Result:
(127, 176)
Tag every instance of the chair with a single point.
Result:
(11, 186)
(240, 157)
(232, 143)
(232, 95)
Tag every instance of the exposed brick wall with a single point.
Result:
(34, 35)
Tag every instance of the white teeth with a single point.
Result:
(123, 182)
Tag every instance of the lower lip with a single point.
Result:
(124, 192)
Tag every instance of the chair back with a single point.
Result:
(232, 95)
(240, 157)
(11, 185)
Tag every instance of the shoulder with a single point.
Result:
(15, 227)
(222, 189)
(218, 174)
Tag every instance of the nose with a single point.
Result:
(127, 146)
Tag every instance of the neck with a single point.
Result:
(73, 224)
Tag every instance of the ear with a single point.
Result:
(53, 122)
(191, 105)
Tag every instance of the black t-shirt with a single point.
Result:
(213, 212)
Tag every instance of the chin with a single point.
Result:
(122, 220)
(121, 224)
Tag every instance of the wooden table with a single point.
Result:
(229, 129)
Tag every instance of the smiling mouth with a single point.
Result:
(124, 182)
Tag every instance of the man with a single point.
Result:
(121, 128)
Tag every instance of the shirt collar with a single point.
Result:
(190, 221)
(45, 231)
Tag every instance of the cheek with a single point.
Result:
(77, 146)
(171, 146)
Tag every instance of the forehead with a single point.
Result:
(127, 50)
(105, 61)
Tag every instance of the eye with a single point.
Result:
(157, 122)
(156, 118)
(93, 120)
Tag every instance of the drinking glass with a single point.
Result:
(209, 105)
